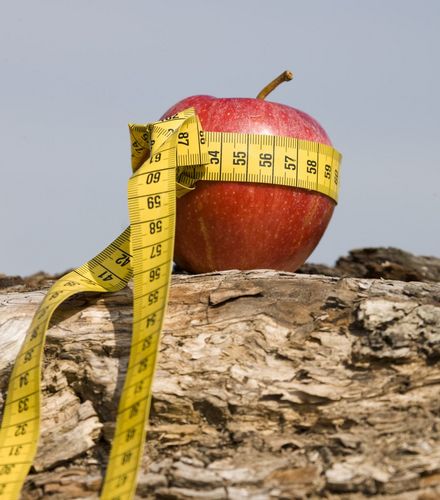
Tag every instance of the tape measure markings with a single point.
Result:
(157, 219)
(141, 195)
(141, 173)
(19, 432)
(154, 244)
(167, 158)
(264, 159)
(109, 270)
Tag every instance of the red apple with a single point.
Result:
(232, 225)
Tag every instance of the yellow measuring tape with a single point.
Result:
(168, 158)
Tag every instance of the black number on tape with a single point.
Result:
(214, 157)
(156, 250)
(266, 160)
(6, 469)
(146, 343)
(15, 450)
(155, 274)
(153, 297)
(24, 379)
(327, 171)
(239, 158)
(138, 387)
(121, 480)
(183, 138)
(134, 410)
(153, 201)
(289, 163)
(152, 177)
(20, 429)
(155, 227)
(123, 260)
(23, 405)
(106, 276)
(28, 355)
(311, 166)
(129, 435)
(143, 365)
(34, 334)
(151, 319)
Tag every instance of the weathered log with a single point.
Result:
(269, 385)
(388, 263)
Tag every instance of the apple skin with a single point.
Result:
(233, 225)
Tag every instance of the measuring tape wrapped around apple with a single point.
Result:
(251, 175)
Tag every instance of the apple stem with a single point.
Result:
(284, 77)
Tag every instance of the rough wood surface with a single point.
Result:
(269, 385)
(382, 262)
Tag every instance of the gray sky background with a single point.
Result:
(73, 74)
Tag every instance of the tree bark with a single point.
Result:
(269, 385)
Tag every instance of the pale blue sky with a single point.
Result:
(73, 74)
